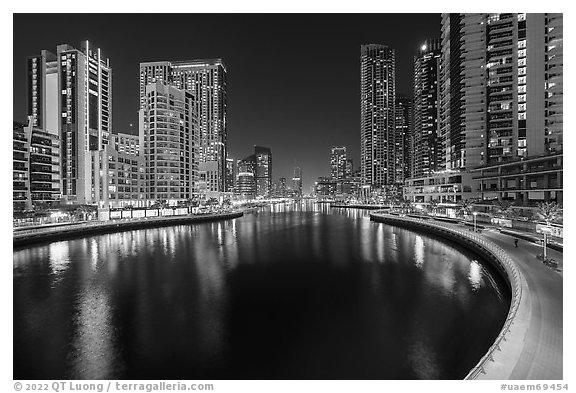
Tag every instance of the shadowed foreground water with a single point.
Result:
(292, 292)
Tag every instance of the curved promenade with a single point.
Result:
(529, 345)
(26, 237)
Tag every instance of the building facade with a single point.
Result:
(325, 187)
(448, 187)
(70, 96)
(36, 167)
(404, 132)
(231, 173)
(263, 162)
(501, 91)
(427, 154)
(297, 182)
(377, 118)
(169, 135)
(206, 80)
(525, 182)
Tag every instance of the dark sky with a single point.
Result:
(293, 79)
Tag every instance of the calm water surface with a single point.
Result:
(292, 292)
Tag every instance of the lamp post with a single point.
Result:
(475, 214)
(545, 231)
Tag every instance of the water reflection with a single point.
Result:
(295, 291)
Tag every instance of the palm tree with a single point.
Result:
(465, 207)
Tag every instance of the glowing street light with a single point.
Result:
(546, 231)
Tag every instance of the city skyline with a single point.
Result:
(270, 102)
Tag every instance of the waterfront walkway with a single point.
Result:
(532, 346)
(25, 237)
(541, 348)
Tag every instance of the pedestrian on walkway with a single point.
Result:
(516, 243)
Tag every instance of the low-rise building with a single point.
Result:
(525, 181)
(36, 167)
(443, 187)
(117, 177)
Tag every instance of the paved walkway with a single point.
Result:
(541, 318)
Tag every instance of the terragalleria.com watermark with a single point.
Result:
(68, 386)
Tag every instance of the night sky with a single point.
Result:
(293, 79)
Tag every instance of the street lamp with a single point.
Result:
(475, 214)
(546, 231)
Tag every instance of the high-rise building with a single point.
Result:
(231, 173)
(427, 153)
(325, 187)
(263, 161)
(70, 96)
(377, 124)
(404, 132)
(501, 98)
(206, 81)
(297, 182)
(282, 190)
(349, 168)
(169, 134)
(338, 163)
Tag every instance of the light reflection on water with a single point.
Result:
(295, 291)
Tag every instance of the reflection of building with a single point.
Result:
(297, 182)
(36, 167)
(206, 81)
(377, 90)
(263, 158)
(169, 134)
(444, 187)
(427, 153)
(526, 182)
(70, 96)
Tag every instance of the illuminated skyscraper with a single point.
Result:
(501, 101)
(206, 81)
(70, 95)
(404, 131)
(297, 182)
(338, 163)
(169, 133)
(377, 124)
(501, 87)
(263, 161)
(427, 153)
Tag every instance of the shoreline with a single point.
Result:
(22, 238)
(505, 359)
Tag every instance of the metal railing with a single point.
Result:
(514, 277)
